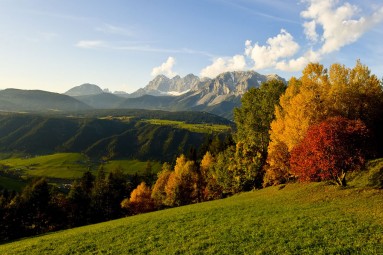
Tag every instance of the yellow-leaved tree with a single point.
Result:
(317, 95)
(182, 186)
(140, 200)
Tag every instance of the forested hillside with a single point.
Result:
(100, 138)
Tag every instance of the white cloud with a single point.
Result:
(165, 68)
(299, 63)
(221, 65)
(341, 24)
(89, 44)
(310, 31)
(329, 26)
(280, 46)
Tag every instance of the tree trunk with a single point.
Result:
(341, 179)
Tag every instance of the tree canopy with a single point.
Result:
(330, 149)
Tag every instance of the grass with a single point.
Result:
(198, 128)
(67, 166)
(293, 219)
(59, 165)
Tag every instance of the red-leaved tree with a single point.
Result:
(330, 149)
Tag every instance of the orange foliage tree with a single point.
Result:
(329, 150)
(140, 200)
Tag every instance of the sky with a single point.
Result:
(121, 45)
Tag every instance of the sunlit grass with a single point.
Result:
(59, 165)
(71, 166)
(199, 128)
(292, 219)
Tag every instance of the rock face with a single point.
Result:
(229, 85)
(84, 90)
(164, 86)
(225, 84)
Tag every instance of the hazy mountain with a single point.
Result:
(84, 90)
(37, 100)
(102, 101)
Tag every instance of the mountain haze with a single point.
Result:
(84, 90)
(38, 100)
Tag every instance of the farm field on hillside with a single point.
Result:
(293, 219)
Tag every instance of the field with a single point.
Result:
(65, 166)
(315, 218)
(199, 128)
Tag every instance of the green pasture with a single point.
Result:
(69, 166)
(198, 128)
(59, 165)
(315, 218)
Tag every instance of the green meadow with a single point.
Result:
(198, 128)
(68, 166)
(301, 218)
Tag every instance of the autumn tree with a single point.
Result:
(330, 149)
(183, 184)
(209, 184)
(317, 95)
(158, 192)
(140, 200)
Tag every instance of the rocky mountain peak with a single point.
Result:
(162, 85)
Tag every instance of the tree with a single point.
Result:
(79, 199)
(330, 149)
(252, 138)
(351, 93)
(182, 187)
(158, 191)
(29, 212)
(254, 116)
(209, 184)
(140, 200)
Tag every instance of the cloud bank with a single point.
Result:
(165, 68)
(329, 25)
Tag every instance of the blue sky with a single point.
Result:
(121, 44)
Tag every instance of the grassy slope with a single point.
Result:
(297, 218)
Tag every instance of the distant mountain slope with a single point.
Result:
(37, 100)
(84, 90)
(99, 138)
(102, 100)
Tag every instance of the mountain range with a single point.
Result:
(218, 96)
